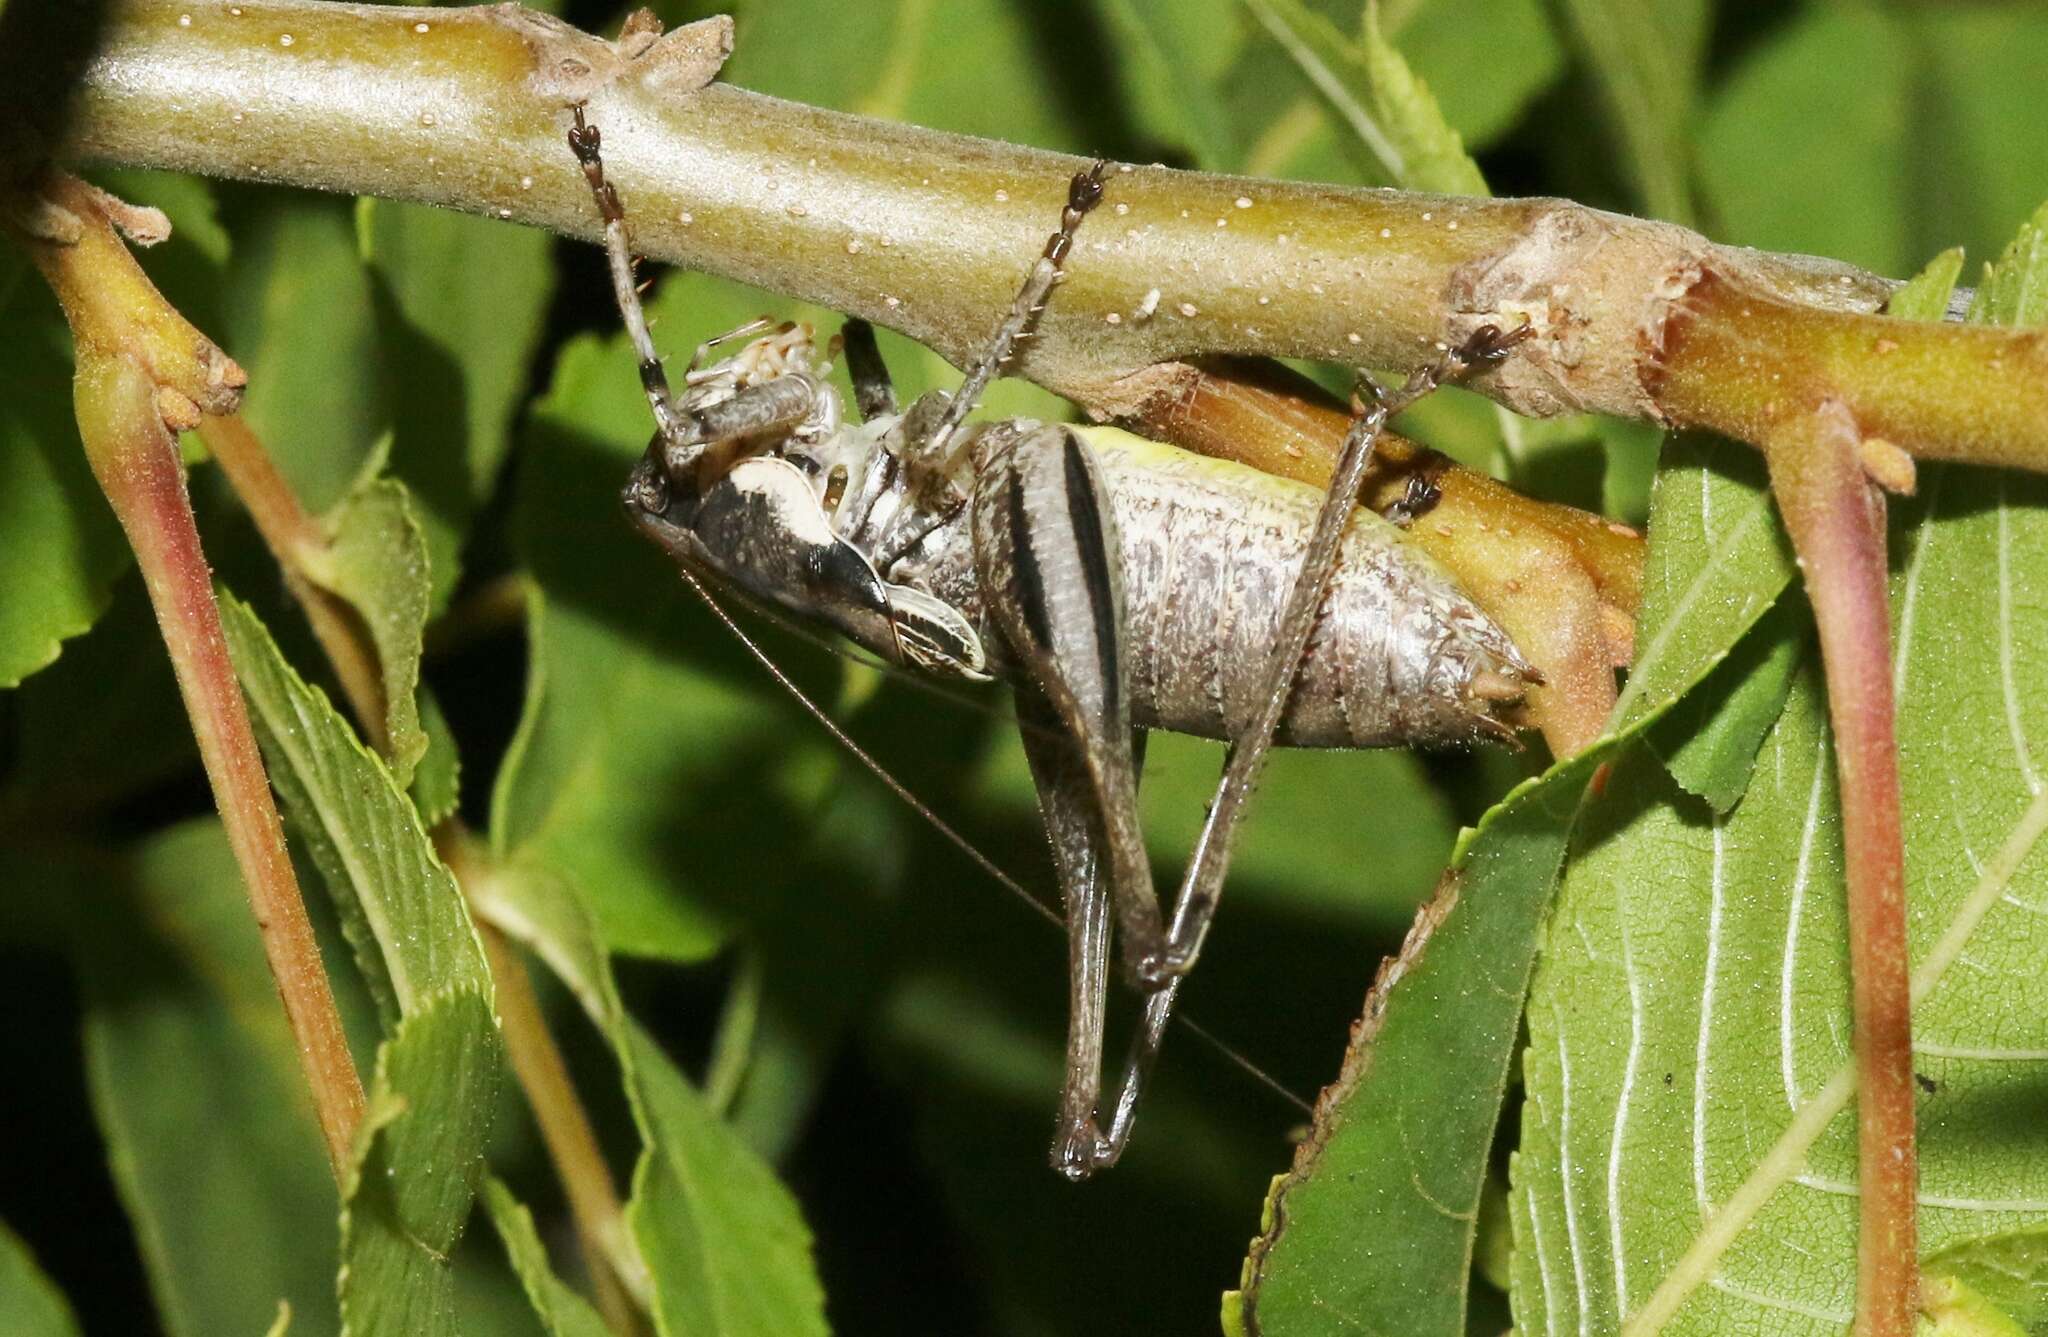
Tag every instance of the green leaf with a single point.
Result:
(1717, 561)
(721, 1242)
(459, 304)
(1370, 89)
(1433, 156)
(734, 1254)
(1991, 1287)
(376, 561)
(106, 720)
(1647, 59)
(2015, 289)
(1171, 55)
(1372, 1230)
(1708, 741)
(419, 1156)
(596, 779)
(1879, 135)
(562, 1311)
(1438, 1056)
(182, 1033)
(401, 907)
(1485, 74)
(298, 317)
(419, 1161)
(437, 780)
(1715, 947)
(980, 67)
(60, 550)
(1925, 296)
(30, 1303)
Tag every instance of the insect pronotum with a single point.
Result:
(1117, 588)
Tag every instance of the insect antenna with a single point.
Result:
(947, 831)
(1083, 194)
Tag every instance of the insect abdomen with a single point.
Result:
(1210, 552)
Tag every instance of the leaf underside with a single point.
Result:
(1694, 991)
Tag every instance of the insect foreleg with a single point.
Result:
(771, 406)
(584, 140)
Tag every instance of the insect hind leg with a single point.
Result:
(1202, 883)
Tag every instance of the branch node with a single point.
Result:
(143, 224)
(571, 67)
(44, 219)
(1569, 274)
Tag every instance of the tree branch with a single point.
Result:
(143, 370)
(926, 232)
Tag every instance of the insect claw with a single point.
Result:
(584, 140)
(1366, 395)
(1084, 192)
(1502, 732)
(1081, 1150)
(1489, 345)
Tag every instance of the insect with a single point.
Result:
(1118, 589)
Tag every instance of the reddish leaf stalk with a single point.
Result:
(1836, 519)
(142, 370)
(135, 458)
(291, 534)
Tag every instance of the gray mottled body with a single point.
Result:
(1210, 549)
(1121, 586)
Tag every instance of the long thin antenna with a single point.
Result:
(954, 837)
